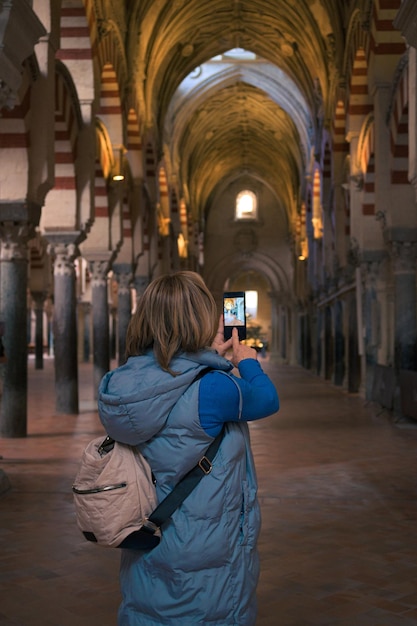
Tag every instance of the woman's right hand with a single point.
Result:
(240, 351)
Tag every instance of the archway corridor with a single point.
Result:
(265, 144)
(338, 545)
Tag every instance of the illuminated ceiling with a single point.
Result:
(220, 115)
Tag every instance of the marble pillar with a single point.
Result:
(65, 329)
(39, 298)
(339, 344)
(123, 275)
(354, 360)
(370, 318)
(13, 298)
(404, 267)
(101, 330)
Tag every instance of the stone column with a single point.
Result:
(404, 266)
(371, 314)
(123, 275)
(39, 298)
(84, 334)
(65, 328)
(383, 188)
(100, 306)
(354, 358)
(339, 344)
(13, 298)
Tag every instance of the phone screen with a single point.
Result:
(234, 313)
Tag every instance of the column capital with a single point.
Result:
(64, 255)
(14, 237)
(123, 281)
(17, 225)
(123, 276)
(98, 272)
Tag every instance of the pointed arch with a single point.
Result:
(62, 202)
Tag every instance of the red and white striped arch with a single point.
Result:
(163, 194)
(76, 50)
(366, 162)
(15, 143)
(339, 129)
(399, 132)
(66, 132)
(360, 103)
(110, 108)
(385, 39)
(134, 145)
(317, 214)
(77, 31)
(61, 205)
(150, 172)
(357, 39)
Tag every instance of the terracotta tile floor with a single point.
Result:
(337, 485)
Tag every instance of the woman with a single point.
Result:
(205, 569)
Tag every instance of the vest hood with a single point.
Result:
(135, 399)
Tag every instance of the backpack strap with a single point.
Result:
(183, 489)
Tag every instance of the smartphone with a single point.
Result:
(234, 313)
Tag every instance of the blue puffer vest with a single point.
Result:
(205, 570)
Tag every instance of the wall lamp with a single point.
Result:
(118, 168)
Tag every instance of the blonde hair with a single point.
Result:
(176, 313)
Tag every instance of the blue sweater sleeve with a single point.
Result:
(220, 396)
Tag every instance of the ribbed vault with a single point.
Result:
(259, 116)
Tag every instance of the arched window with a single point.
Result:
(246, 206)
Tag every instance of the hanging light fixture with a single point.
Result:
(118, 169)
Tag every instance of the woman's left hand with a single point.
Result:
(219, 344)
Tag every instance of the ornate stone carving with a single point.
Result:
(98, 272)
(14, 238)
(64, 256)
(123, 280)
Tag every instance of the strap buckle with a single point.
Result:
(205, 465)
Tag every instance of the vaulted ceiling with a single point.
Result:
(218, 119)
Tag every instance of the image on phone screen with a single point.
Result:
(234, 313)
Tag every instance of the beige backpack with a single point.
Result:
(115, 496)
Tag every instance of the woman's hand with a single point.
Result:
(219, 344)
(240, 351)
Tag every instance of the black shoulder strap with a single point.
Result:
(183, 489)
